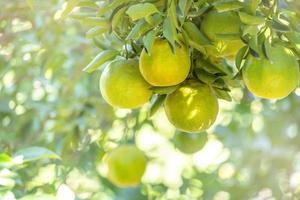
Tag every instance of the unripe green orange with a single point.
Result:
(122, 85)
(215, 23)
(193, 107)
(189, 143)
(126, 166)
(272, 79)
(162, 67)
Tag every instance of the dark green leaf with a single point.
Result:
(266, 47)
(205, 77)
(254, 53)
(156, 102)
(221, 94)
(277, 25)
(240, 56)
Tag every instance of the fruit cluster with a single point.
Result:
(192, 107)
(190, 67)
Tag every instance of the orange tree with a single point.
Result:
(173, 63)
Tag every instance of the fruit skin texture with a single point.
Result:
(190, 143)
(122, 85)
(272, 79)
(126, 166)
(193, 107)
(222, 23)
(162, 67)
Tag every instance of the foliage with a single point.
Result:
(55, 127)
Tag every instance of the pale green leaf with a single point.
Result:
(141, 10)
(100, 59)
(68, 8)
(35, 153)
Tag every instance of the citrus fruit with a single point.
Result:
(122, 85)
(126, 166)
(193, 107)
(215, 23)
(272, 79)
(189, 143)
(162, 67)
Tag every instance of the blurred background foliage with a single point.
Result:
(55, 127)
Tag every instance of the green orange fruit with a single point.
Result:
(215, 23)
(162, 67)
(189, 143)
(275, 78)
(122, 85)
(126, 166)
(193, 107)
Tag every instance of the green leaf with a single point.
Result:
(141, 10)
(36, 153)
(221, 94)
(88, 4)
(205, 77)
(148, 41)
(164, 90)
(201, 11)
(173, 14)
(112, 5)
(253, 4)
(238, 76)
(115, 18)
(210, 68)
(95, 31)
(294, 39)
(196, 37)
(184, 6)
(241, 55)
(250, 19)
(154, 20)
(249, 29)
(100, 59)
(254, 46)
(266, 47)
(277, 25)
(156, 102)
(139, 29)
(169, 31)
(224, 6)
(68, 8)
(93, 21)
(220, 83)
(254, 53)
